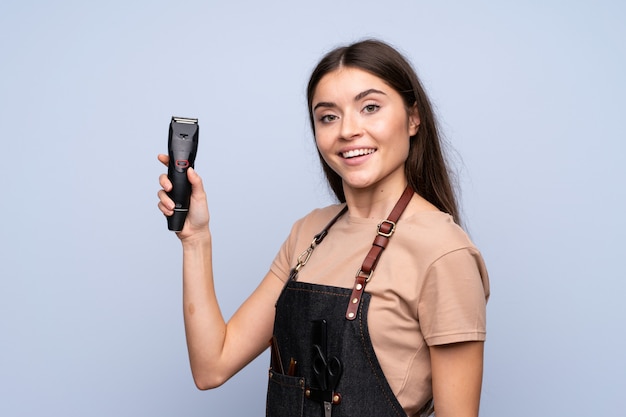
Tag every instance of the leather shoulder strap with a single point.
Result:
(385, 231)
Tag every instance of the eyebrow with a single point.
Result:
(367, 93)
(358, 97)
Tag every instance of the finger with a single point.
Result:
(164, 209)
(165, 159)
(165, 182)
(195, 180)
(192, 175)
(165, 200)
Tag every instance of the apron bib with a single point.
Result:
(362, 389)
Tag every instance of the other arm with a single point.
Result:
(457, 372)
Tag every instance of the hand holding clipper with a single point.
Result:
(182, 145)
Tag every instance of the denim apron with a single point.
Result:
(294, 387)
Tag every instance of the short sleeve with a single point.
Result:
(281, 264)
(299, 238)
(302, 232)
(452, 305)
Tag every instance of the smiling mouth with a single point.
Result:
(357, 152)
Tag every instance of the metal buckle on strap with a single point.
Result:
(388, 234)
(367, 276)
(304, 256)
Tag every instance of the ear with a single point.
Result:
(414, 120)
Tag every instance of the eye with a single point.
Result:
(327, 118)
(371, 108)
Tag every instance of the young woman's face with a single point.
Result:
(362, 129)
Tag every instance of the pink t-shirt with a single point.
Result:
(430, 287)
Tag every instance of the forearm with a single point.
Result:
(205, 327)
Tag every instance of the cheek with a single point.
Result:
(401, 149)
(319, 143)
(396, 132)
(323, 140)
(400, 139)
(323, 146)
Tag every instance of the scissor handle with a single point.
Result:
(320, 367)
(333, 370)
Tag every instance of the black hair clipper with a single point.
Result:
(182, 145)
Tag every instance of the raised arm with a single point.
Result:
(217, 350)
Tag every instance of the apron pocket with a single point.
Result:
(285, 395)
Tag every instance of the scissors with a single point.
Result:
(327, 373)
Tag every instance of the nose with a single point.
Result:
(350, 127)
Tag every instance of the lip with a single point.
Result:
(363, 153)
(356, 152)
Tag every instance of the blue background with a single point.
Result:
(531, 97)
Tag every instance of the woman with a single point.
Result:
(407, 331)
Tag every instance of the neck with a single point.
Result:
(374, 203)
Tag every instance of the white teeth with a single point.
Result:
(357, 152)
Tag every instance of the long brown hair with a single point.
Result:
(425, 168)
